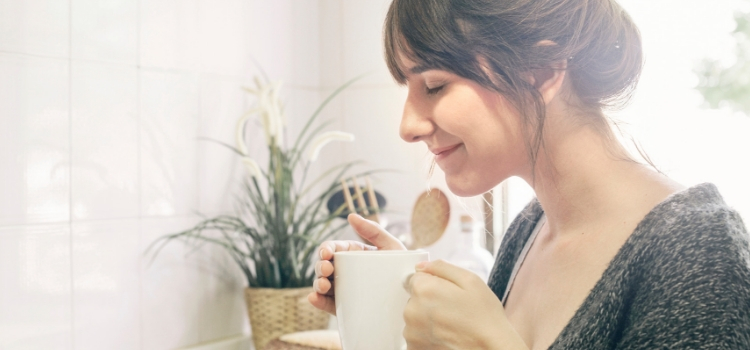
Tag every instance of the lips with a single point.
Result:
(443, 152)
(437, 151)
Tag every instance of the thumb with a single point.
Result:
(461, 277)
(372, 232)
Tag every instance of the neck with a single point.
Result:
(586, 183)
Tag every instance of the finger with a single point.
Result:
(323, 286)
(416, 279)
(373, 232)
(327, 248)
(447, 271)
(322, 302)
(323, 268)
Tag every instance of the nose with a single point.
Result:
(416, 122)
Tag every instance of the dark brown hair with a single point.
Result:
(598, 39)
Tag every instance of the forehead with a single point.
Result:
(410, 66)
(404, 61)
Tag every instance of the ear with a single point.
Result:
(549, 81)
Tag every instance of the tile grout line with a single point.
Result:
(197, 77)
(342, 69)
(139, 186)
(70, 174)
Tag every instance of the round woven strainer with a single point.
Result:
(429, 218)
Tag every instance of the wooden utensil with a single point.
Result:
(429, 219)
(370, 213)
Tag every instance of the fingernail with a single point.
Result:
(421, 266)
(320, 252)
(315, 286)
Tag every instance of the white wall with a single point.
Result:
(101, 104)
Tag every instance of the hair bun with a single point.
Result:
(605, 70)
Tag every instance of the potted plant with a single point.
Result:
(280, 222)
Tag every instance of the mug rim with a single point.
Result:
(380, 252)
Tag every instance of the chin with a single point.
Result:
(473, 184)
(465, 188)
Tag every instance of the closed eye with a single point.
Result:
(435, 90)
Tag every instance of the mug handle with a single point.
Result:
(405, 281)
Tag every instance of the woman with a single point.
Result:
(611, 254)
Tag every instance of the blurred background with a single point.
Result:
(102, 104)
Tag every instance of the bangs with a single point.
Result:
(444, 35)
(395, 44)
(425, 33)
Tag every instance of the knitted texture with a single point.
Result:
(680, 281)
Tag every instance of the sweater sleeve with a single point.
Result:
(695, 291)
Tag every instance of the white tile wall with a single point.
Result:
(331, 43)
(35, 152)
(174, 301)
(104, 134)
(167, 35)
(102, 104)
(222, 37)
(36, 293)
(222, 101)
(104, 30)
(106, 284)
(226, 314)
(271, 44)
(362, 41)
(305, 41)
(37, 27)
(169, 107)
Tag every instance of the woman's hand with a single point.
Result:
(452, 308)
(322, 297)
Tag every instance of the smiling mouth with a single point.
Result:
(445, 153)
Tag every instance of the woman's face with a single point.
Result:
(474, 132)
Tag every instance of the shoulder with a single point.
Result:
(697, 222)
(693, 258)
(693, 233)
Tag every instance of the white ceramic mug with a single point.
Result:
(371, 297)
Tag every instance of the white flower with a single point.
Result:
(240, 132)
(271, 110)
(324, 138)
(252, 167)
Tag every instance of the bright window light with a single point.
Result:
(688, 142)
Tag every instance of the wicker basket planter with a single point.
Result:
(275, 312)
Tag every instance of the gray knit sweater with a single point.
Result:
(681, 281)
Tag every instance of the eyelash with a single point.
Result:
(434, 90)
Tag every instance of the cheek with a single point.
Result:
(507, 123)
(496, 149)
(498, 133)
(461, 113)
